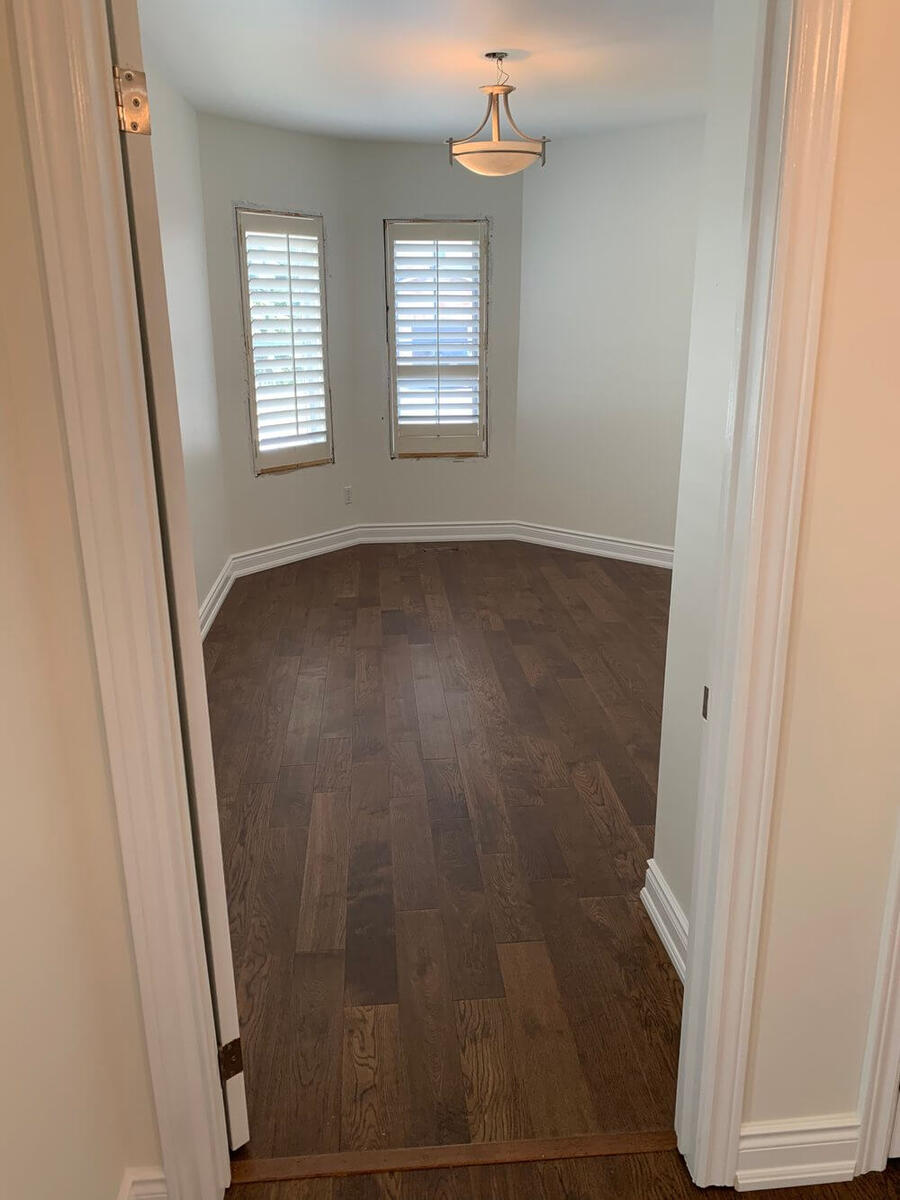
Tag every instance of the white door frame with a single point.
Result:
(64, 63)
(789, 189)
(66, 83)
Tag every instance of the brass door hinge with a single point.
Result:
(131, 100)
(231, 1061)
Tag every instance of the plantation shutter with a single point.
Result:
(437, 281)
(284, 313)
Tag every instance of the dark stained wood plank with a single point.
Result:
(647, 986)
(535, 840)
(291, 1189)
(323, 902)
(233, 704)
(468, 1155)
(368, 627)
(623, 848)
(495, 1097)
(369, 725)
(337, 710)
(445, 790)
(292, 801)
(305, 1075)
(434, 724)
(520, 697)
(433, 1087)
(474, 971)
(558, 1098)
(371, 1112)
(509, 898)
(400, 712)
(302, 738)
(407, 771)
(480, 776)
(371, 958)
(242, 853)
(314, 659)
(333, 763)
(393, 623)
(415, 873)
(451, 661)
(263, 972)
(588, 985)
(636, 794)
(269, 728)
(589, 863)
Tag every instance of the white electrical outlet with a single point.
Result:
(348, 494)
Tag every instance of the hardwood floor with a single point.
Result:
(626, 1177)
(437, 773)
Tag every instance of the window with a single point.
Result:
(437, 310)
(283, 275)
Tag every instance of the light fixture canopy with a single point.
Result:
(496, 155)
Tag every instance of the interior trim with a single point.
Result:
(798, 1152)
(251, 561)
(667, 916)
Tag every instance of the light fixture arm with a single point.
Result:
(504, 150)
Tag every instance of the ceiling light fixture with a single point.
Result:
(495, 155)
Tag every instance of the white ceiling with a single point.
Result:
(411, 68)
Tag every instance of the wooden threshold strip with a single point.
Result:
(467, 1154)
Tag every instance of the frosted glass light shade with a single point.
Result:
(495, 155)
(497, 158)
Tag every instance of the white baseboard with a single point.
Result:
(143, 1183)
(808, 1150)
(217, 593)
(250, 561)
(589, 543)
(667, 916)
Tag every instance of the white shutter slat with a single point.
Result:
(283, 293)
(437, 327)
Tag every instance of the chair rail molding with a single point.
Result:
(788, 221)
(65, 74)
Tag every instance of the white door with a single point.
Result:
(183, 605)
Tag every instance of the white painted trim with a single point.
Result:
(248, 562)
(667, 916)
(64, 64)
(215, 598)
(143, 1183)
(789, 213)
(811, 1150)
(647, 553)
(880, 1084)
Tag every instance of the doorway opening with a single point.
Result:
(215, 167)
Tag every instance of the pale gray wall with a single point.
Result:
(354, 186)
(608, 244)
(720, 278)
(176, 162)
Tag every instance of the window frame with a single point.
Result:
(422, 442)
(289, 458)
